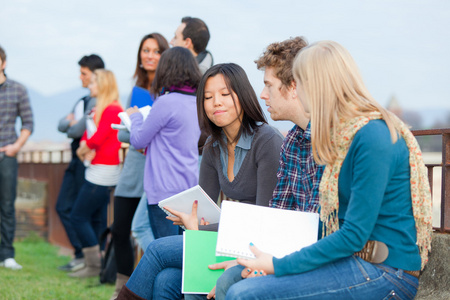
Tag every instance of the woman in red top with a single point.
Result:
(99, 149)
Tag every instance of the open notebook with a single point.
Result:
(183, 201)
(275, 231)
(145, 110)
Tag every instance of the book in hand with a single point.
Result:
(125, 118)
(199, 249)
(275, 231)
(182, 202)
(140, 97)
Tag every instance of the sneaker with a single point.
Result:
(74, 265)
(10, 263)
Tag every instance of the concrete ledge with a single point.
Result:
(435, 280)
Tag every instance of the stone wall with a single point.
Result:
(435, 280)
(31, 208)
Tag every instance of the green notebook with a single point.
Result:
(199, 251)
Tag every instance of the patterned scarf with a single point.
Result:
(420, 189)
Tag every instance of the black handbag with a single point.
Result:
(108, 271)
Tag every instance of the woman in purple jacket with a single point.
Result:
(169, 135)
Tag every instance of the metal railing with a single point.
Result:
(49, 166)
(445, 165)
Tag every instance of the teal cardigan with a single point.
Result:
(374, 204)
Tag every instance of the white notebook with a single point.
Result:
(125, 118)
(275, 231)
(183, 201)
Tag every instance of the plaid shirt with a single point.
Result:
(298, 175)
(14, 102)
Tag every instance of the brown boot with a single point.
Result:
(127, 294)
(120, 282)
(92, 261)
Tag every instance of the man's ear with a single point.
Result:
(188, 44)
(293, 89)
(3, 66)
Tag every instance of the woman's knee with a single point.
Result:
(227, 279)
(168, 284)
(165, 247)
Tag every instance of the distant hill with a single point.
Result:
(49, 110)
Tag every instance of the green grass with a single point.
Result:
(40, 278)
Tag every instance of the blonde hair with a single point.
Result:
(107, 92)
(335, 91)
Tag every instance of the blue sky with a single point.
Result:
(400, 46)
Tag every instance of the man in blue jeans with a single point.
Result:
(74, 125)
(14, 102)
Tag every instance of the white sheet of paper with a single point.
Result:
(126, 119)
(183, 201)
(275, 231)
(78, 111)
(91, 128)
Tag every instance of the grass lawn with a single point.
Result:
(40, 278)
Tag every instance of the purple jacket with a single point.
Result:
(170, 135)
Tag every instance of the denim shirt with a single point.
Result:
(242, 147)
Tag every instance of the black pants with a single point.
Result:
(124, 209)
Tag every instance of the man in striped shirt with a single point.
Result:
(14, 102)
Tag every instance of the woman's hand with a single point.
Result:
(250, 273)
(262, 264)
(219, 266)
(189, 221)
(83, 150)
(132, 110)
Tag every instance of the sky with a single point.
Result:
(401, 47)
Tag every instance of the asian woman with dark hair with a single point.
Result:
(240, 159)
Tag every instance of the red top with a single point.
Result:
(104, 141)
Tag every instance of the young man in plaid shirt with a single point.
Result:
(14, 102)
(298, 175)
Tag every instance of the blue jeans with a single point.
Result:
(158, 274)
(88, 215)
(8, 187)
(226, 280)
(140, 226)
(161, 226)
(347, 278)
(73, 180)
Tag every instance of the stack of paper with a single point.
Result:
(275, 231)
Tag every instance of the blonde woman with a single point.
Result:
(374, 195)
(100, 142)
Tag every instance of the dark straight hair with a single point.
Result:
(176, 68)
(197, 31)
(237, 81)
(92, 62)
(140, 74)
